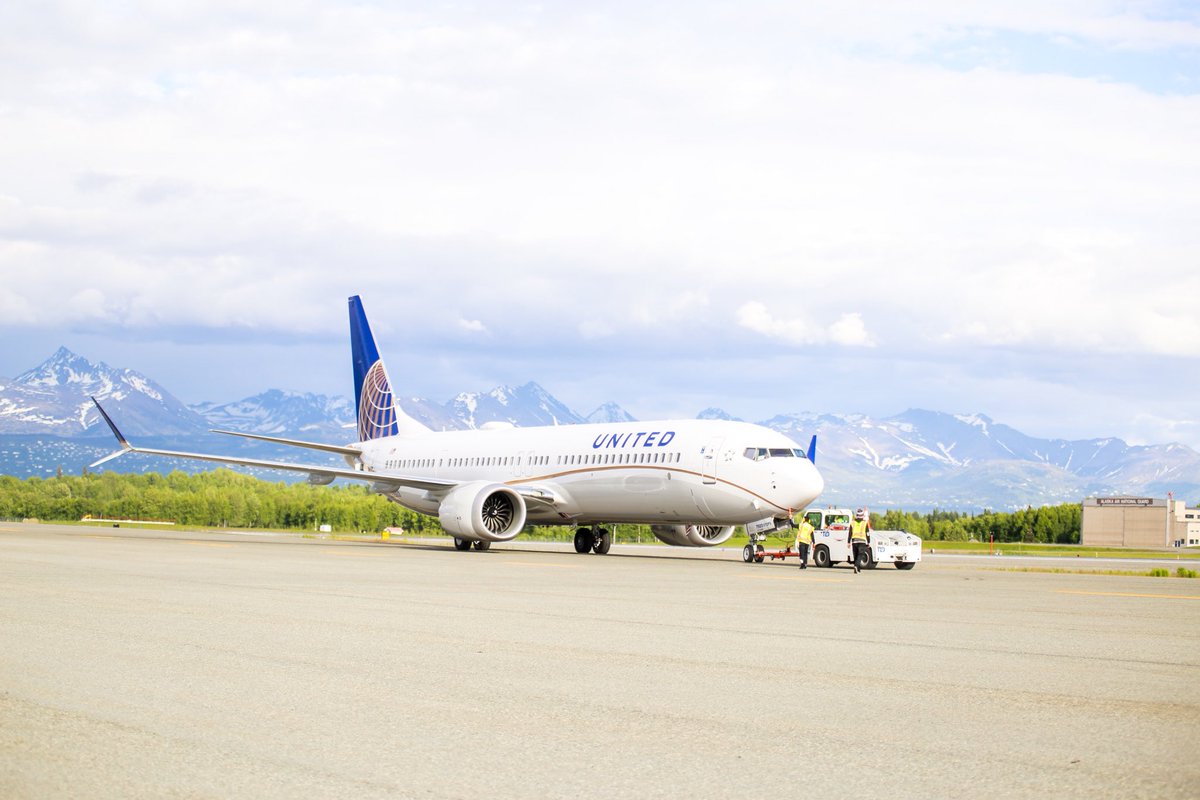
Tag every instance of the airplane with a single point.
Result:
(691, 481)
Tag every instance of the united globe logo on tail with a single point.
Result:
(377, 416)
(376, 409)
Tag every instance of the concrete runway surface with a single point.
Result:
(149, 664)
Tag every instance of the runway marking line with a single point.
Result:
(1131, 594)
(94, 536)
(352, 554)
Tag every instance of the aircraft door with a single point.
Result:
(708, 461)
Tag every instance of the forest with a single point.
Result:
(1050, 524)
(223, 498)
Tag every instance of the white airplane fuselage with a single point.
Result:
(670, 472)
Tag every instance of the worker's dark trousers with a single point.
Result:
(857, 546)
(803, 555)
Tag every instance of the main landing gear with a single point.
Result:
(598, 540)
(465, 544)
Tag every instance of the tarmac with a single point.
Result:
(174, 664)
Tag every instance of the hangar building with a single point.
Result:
(1139, 522)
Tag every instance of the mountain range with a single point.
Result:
(914, 460)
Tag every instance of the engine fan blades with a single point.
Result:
(497, 513)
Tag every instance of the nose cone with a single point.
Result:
(808, 484)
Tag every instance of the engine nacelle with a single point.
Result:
(693, 535)
(482, 511)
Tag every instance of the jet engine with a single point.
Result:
(693, 535)
(482, 511)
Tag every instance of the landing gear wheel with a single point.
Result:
(748, 554)
(462, 544)
(905, 564)
(603, 541)
(862, 559)
(583, 540)
(821, 557)
(758, 554)
(483, 545)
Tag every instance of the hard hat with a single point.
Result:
(859, 513)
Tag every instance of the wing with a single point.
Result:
(381, 481)
(344, 450)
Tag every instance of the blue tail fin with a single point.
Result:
(812, 449)
(374, 403)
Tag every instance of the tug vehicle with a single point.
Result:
(831, 542)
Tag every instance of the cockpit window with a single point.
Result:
(800, 453)
(759, 453)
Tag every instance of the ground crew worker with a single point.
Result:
(859, 535)
(804, 539)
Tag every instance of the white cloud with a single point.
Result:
(847, 330)
(627, 175)
(1154, 429)
(472, 326)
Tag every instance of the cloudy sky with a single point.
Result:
(762, 206)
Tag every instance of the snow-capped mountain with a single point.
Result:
(276, 412)
(53, 397)
(433, 415)
(610, 412)
(524, 406)
(717, 413)
(307, 415)
(925, 458)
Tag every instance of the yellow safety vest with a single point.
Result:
(858, 529)
(804, 533)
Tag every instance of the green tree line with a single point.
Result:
(1050, 524)
(223, 498)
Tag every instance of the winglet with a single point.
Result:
(812, 450)
(126, 447)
